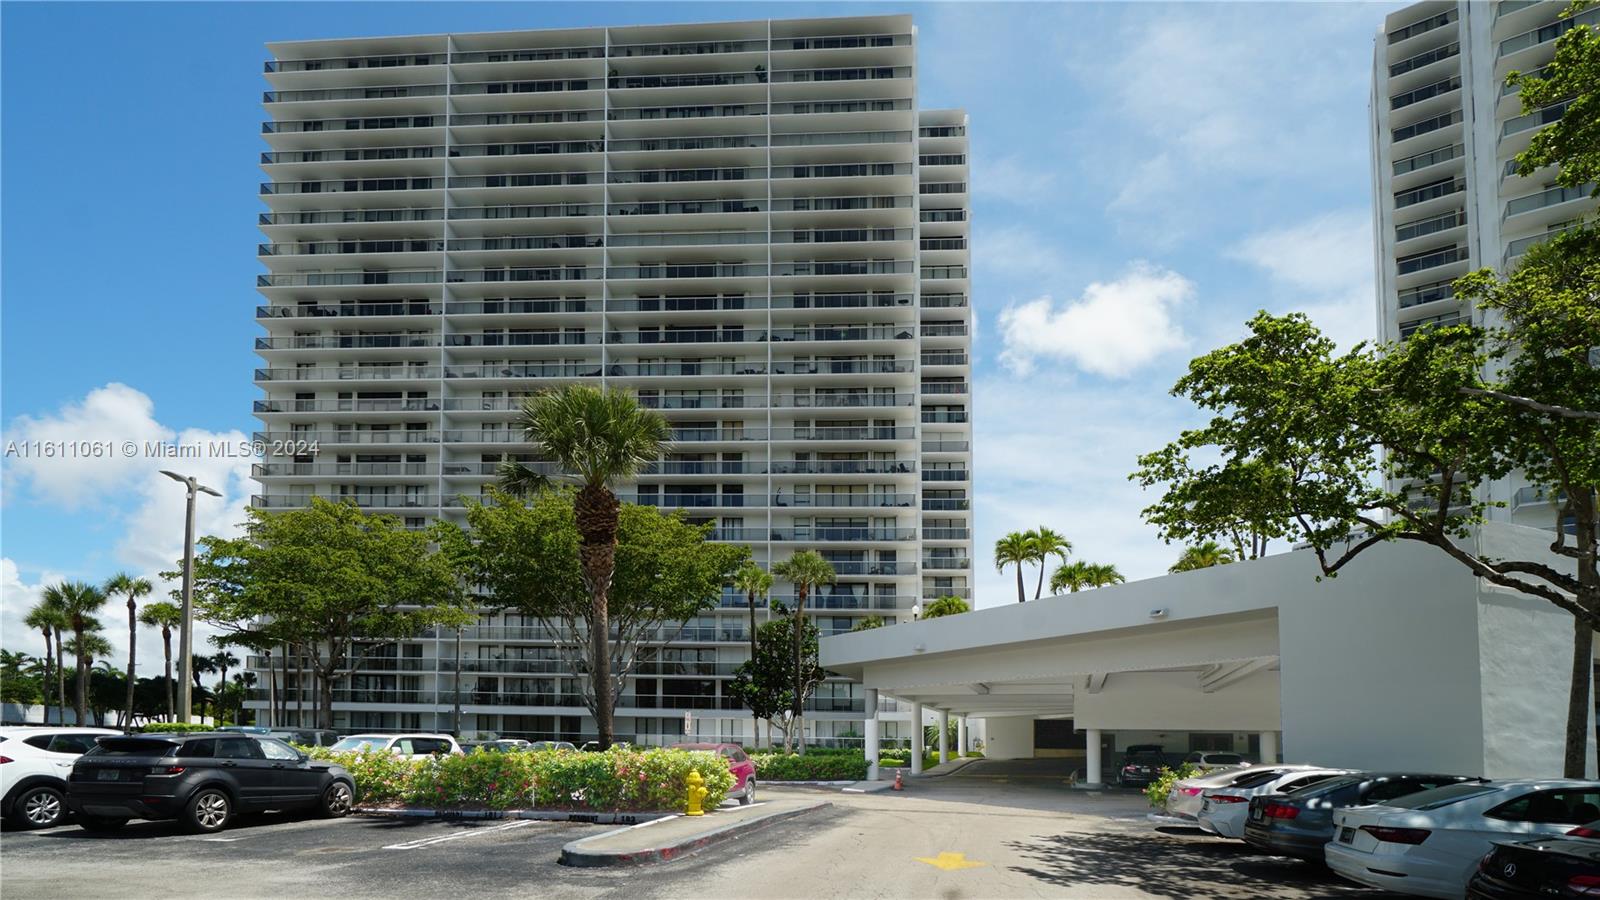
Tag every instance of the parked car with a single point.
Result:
(413, 746)
(1223, 810)
(204, 779)
(505, 745)
(1141, 764)
(245, 729)
(1300, 823)
(594, 746)
(743, 769)
(309, 737)
(34, 764)
(1565, 866)
(1207, 761)
(552, 745)
(1429, 844)
(1183, 801)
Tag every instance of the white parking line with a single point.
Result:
(428, 842)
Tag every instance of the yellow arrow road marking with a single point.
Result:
(950, 861)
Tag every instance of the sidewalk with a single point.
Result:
(675, 836)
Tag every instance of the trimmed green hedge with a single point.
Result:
(619, 779)
(810, 767)
(174, 727)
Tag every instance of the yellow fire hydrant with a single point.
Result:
(697, 794)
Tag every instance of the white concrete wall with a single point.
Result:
(1010, 737)
(1174, 701)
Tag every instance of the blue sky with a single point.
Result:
(1145, 177)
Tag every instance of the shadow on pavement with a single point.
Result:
(1166, 866)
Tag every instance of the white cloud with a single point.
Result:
(128, 495)
(1113, 329)
(1322, 267)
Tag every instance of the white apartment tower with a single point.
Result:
(1446, 130)
(753, 225)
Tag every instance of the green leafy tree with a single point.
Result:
(754, 582)
(349, 582)
(1044, 543)
(1232, 501)
(945, 606)
(598, 436)
(806, 570)
(1013, 550)
(165, 616)
(1203, 555)
(200, 666)
(18, 682)
(769, 684)
(1447, 423)
(45, 617)
(78, 601)
(1079, 575)
(133, 588)
(867, 623)
(1573, 76)
(528, 556)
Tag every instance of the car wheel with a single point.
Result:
(749, 795)
(100, 823)
(39, 807)
(337, 800)
(208, 810)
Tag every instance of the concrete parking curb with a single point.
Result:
(578, 855)
(538, 815)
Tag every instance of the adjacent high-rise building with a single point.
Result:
(1446, 129)
(755, 226)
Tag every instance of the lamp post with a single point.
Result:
(186, 630)
(916, 611)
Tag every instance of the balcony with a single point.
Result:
(1547, 33)
(944, 358)
(348, 342)
(1407, 329)
(528, 242)
(1430, 158)
(686, 176)
(942, 187)
(1433, 191)
(840, 204)
(839, 400)
(871, 567)
(1432, 259)
(841, 366)
(688, 48)
(362, 93)
(538, 55)
(944, 301)
(354, 154)
(324, 310)
(524, 370)
(521, 339)
(946, 475)
(528, 273)
(705, 111)
(685, 79)
(843, 170)
(525, 179)
(351, 279)
(840, 500)
(688, 207)
(1547, 198)
(945, 387)
(841, 535)
(343, 470)
(1431, 124)
(563, 116)
(936, 272)
(322, 248)
(355, 373)
(348, 216)
(1427, 293)
(1522, 245)
(828, 139)
(533, 211)
(944, 417)
(943, 504)
(740, 401)
(688, 270)
(351, 436)
(365, 501)
(946, 562)
(858, 73)
(874, 300)
(842, 467)
(354, 62)
(519, 306)
(1432, 225)
(1422, 26)
(546, 86)
(1425, 58)
(349, 185)
(1426, 92)
(1533, 494)
(1536, 119)
(946, 534)
(942, 215)
(864, 433)
(944, 329)
(370, 123)
(946, 446)
(689, 239)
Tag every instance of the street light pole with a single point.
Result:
(186, 630)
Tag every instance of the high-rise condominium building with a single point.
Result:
(755, 226)
(1446, 130)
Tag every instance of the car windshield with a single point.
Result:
(1223, 758)
(1433, 798)
(130, 747)
(362, 743)
(1331, 784)
(1254, 779)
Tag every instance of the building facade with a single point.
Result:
(1447, 200)
(753, 225)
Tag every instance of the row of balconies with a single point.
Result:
(421, 500)
(796, 268)
(412, 436)
(854, 400)
(885, 467)
(585, 241)
(671, 335)
(587, 177)
(612, 82)
(853, 203)
(594, 370)
(531, 306)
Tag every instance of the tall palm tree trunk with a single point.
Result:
(166, 670)
(798, 725)
(1022, 596)
(81, 700)
(1038, 588)
(47, 672)
(299, 689)
(755, 721)
(596, 510)
(61, 678)
(133, 646)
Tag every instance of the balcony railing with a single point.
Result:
(365, 501)
(323, 310)
(302, 470)
(866, 433)
(1432, 225)
(348, 216)
(534, 211)
(546, 86)
(369, 123)
(1425, 58)
(1547, 33)
(1422, 26)
(1430, 158)
(1428, 192)
(1432, 259)
(376, 92)
(1427, 293)
(522, 339)
(1520, 246)
(537, 55)
(528, 273)
(348, 342)
(524, 370)
(1547, 198)
(946, 562)
(353, 373)
(316, 248)
(351, 436)
(1537, 119)
(944, 416)
(500, 307)
(944, 301)
(353, 154)
(350, 279)
(1407, 329)
(1426, 92)
(355, 62)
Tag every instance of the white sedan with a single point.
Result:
(1429, 843)
(1183, 802)
(1223, 810)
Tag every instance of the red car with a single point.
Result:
(744, 771)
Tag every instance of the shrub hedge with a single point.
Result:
(1156, 791)
(810, 767)
(174, 727)
(619, 779)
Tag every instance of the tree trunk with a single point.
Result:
(1038, 588)
(166, 652)
(1578, 708)
(755, 721)
(299, 689)
(1022, 596)
(61, 678)
(133, 645)
(81, 701)
(45, 693)
(595, 510)
(797, 724)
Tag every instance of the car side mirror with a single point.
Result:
(304, 757)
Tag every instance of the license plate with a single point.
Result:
(1347, 835)
(106, 775)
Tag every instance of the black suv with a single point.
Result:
(205, 779)
(1141, 765)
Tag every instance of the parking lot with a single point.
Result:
(994, 836)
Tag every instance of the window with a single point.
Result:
(62, 743)
(1390, 790)
(131, 746)
(205, 748)
(278, 750)
(1444, 796)
(1299, 783)
(1573, 806)
(237, 748)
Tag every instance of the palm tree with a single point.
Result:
(1077, 575)
(1202, 556)
(945, 606)
(165, 616)
(200, 665)
(46, 618)
(222, 660)
(1044, 543)
(755, 582)
(123, 583)
(867, 623)
(599, 435)
(87, 647)
(806, 570)
(1013, 550)
(79, 601)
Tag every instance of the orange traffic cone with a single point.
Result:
(899, 784)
